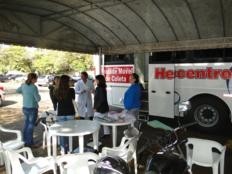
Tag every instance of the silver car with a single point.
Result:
(2, 95)
(44, 80)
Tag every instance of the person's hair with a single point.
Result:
(54, 80)
(30, 77)
(85, 74)
(136, 77)
(63, 87)
(102, 81)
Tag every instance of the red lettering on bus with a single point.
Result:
(208, 73)
(226, 74)
(180, 73)
(169, 74)
(190, 74)
(160, 73)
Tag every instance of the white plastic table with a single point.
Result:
(114, 125)
(70, 129)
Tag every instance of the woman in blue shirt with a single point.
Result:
(132, 97)
(31, 98)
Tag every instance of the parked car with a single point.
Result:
(44, 80)
(2, 95)
(20, 78)
(14, 76)
(3, 78)
(75, 78)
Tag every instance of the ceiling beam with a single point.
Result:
(122, 23)
(166, 18)
(172, 46)
(29, 40)
(223, 17)
(91, 17)
(193, 17)
(142, 19)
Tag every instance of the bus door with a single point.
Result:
(161, 90)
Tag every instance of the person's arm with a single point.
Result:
(129, 97)
(92, 87)
(98, 98)
(72, 93)
(78, 89)
(36, 95)
(19, 89)
(55, 101)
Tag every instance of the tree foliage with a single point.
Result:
(42, 61)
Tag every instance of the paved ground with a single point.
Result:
(11, 116)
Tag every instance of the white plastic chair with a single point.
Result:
(50, 118)
(29, 164)
(205, 153)
(77, 163)
(10, 144)
(126, 150)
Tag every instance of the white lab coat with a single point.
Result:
(85, 106)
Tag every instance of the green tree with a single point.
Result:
(16, 58)
(43, 61)
(79, 62)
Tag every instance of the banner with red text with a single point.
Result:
(118, 73)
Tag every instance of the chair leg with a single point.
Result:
(7, 163)
(55, 169)
(189, 162)
(222, 166)
(215, 168)
(44, 140)
(135, 163)
(1, 158)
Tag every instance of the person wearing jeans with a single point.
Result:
(101, 106)
(30, 117)
(63, 97)
(31, 98)
(64, 140)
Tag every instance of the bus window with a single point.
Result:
(206, 56)
(181, 57)
(228, 55)
(119, 59)
(161, 57)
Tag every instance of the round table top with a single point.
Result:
(120, 122)
(74, 128)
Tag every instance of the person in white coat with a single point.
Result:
(84, 88)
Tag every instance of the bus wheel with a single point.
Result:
(210, 114)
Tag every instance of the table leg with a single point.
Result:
(70, 144)
(95, 139)
(114, 137)
(81, 144)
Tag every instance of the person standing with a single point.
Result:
(132, 96)
(101, 106)
(65, 110)
(52, 88)
(84, 88)
(31, 98)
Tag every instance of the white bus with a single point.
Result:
(202, 77)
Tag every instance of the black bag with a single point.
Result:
(166, 164)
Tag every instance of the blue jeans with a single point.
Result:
(64, 140)
(30, 116)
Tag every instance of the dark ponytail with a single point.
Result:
(30, 77)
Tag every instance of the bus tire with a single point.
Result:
(210, 113)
